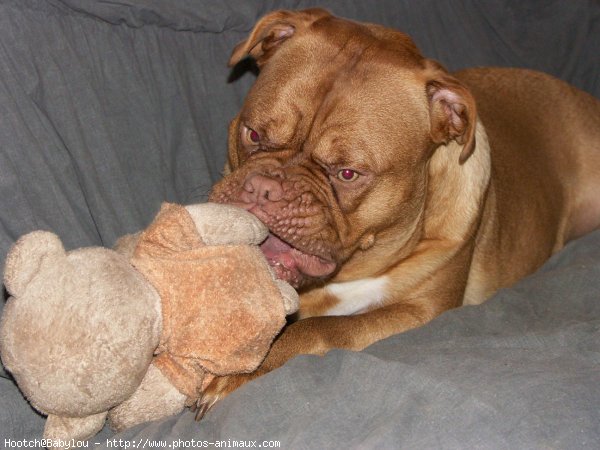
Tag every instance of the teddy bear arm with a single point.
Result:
(291, 301)
(220, 224)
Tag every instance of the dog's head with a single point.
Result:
(331, 147)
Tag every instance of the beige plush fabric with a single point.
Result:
(222, 323)
(137, 332)
(76, 428)
(156, 397)
(79, 325)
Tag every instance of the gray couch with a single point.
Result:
(109, 108)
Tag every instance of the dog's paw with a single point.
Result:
(218, 389)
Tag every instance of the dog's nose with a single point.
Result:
(261, 189)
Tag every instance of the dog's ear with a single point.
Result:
(271, 31)
(233, 159)
(452, 110)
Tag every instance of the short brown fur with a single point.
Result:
(467, 182)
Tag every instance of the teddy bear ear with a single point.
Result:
(27, 258)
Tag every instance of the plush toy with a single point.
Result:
(135, 334)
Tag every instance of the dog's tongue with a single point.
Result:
(290, 264)
(274, 246)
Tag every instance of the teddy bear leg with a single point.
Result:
(62, 431)
(154, 399)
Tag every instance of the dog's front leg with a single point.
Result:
(317, 335)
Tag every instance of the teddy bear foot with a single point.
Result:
(61, 432)
(155, 398)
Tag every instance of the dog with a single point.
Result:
(394, 190)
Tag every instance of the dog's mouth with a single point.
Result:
(293, 265)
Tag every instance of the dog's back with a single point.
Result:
(544, 138)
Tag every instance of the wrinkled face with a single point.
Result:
(330, 148)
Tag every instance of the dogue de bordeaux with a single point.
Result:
(393, 189)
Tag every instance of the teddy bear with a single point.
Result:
(135, 333)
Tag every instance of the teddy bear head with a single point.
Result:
(62, 367)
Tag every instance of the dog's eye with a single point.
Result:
(347, 175)
(250, 137)
(254, 137)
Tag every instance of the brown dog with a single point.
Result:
(393, 190)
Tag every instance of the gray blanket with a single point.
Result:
(520, 371)
(109, 108)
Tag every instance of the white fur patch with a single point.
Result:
(356, 296)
